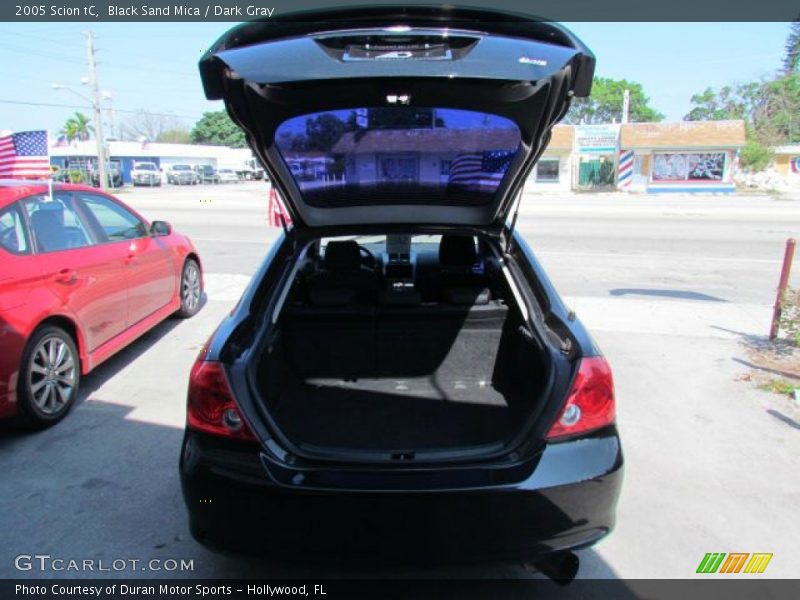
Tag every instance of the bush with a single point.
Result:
(754, 157)
(790, 315)
(76, 176)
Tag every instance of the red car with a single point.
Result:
(81, 276)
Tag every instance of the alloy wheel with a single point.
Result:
(52, 375)
(190, 292)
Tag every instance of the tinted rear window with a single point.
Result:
(398, 155)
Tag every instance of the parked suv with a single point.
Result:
(401, 381)
(146, 173)
(206, 174)
(181, 175)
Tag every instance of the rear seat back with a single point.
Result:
(358, 341)
(333, 341)
(451, 340)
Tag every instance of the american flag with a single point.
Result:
(24, 155)
(480, 168)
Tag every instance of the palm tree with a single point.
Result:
(77, 127)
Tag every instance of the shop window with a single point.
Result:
(708, 166)
(547, 171)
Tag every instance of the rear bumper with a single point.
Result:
(567, 502)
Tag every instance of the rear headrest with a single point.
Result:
(466, 296)
(342, 256)
(457, 251)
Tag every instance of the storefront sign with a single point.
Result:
(596, 138)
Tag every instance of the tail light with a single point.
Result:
(590, 404)
(211, 407)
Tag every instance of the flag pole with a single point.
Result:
(50, 171)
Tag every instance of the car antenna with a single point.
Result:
(50, 189)
(513, 223)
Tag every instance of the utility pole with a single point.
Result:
(98, 116)
(626, 105)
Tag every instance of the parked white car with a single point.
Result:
(228, 176)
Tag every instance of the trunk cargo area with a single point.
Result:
(400, 379)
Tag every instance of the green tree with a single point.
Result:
(605, 104)
(791, 61)
(175, 136)
(776, 119)
(771, 108)
(216, 128)
(755, 156)
(77, 127)
(727, 103)
(323, 132)
(403, 117)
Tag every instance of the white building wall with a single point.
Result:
(536, 185)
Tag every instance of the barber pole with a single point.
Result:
(625, 170)
(276, 210)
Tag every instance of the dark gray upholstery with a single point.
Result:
(342, 270)
(400, 377)
(457, 251)
(342, 256)
(459, 283)
(49, 230)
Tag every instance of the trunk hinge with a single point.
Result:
(513, 224)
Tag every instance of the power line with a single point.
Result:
(27, 52)
(88, 106)
(51, 40)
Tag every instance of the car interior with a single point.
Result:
(400, 344)
(53, 229)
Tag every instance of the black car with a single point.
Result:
(400, 381)
(113, 175)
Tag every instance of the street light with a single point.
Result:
(59, 86)
(101, 153)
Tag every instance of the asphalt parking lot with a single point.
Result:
(670, 288)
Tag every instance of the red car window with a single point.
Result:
(117, 222)
(55, 224)
(13, 236)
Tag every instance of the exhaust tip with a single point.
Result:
(561, 568)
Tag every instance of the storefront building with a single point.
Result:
(553, 171)
(787, 163)
(685, 157)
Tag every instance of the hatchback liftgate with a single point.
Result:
(516, 68)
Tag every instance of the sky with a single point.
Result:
(153, 66)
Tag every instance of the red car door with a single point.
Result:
(84, 275)
(151, 272)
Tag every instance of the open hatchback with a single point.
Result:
(417, 116)
(400, 336)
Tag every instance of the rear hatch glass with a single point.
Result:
(398, 155)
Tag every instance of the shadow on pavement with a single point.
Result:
(751, 365)
(782, 417)
(681, 294)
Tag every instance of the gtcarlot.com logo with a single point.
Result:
(46, 562)
(734, 562)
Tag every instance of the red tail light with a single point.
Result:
(211, 407)
(590, 404)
